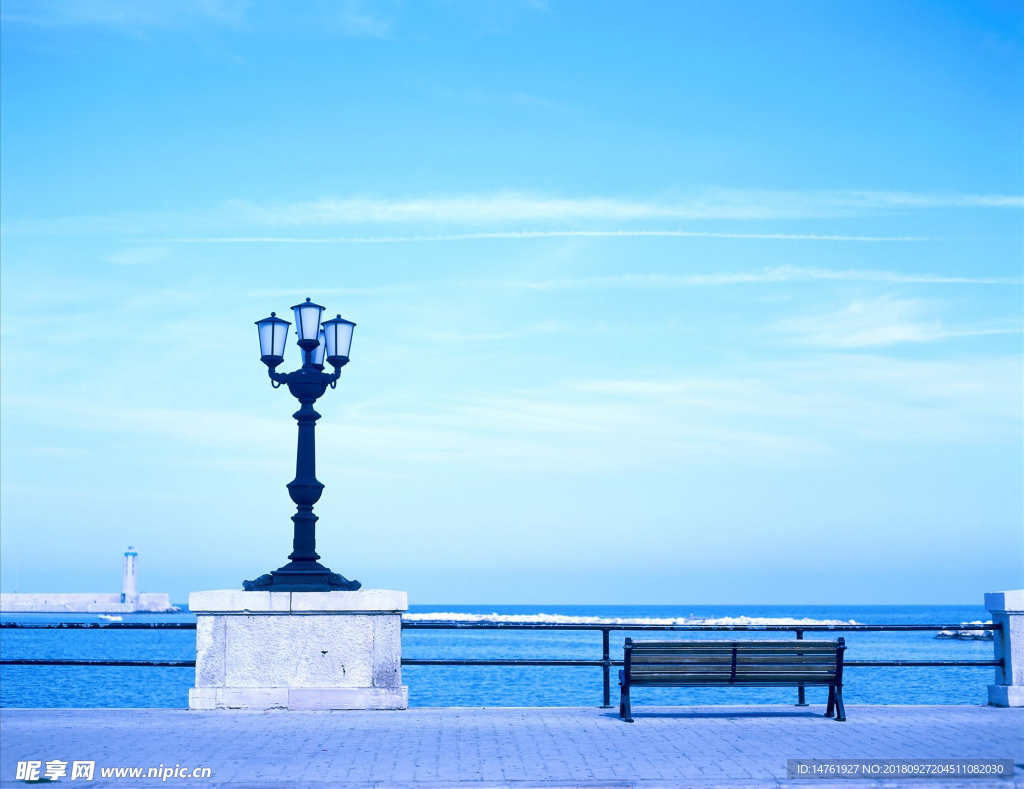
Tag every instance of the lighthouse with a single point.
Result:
(130, 578)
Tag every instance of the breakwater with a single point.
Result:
(58, 603)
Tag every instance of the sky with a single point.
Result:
(670, 303)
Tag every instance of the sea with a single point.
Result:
(525, 686)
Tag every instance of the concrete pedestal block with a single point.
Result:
(1006, 696)
(1007, 609)
(299, 650)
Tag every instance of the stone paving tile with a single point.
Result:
(478, 748)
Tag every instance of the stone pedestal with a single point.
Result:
(1007, 609)
(299, 650)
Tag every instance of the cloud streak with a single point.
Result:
(880, 322)
(778, 274)
(489, 216)
(734, 204)
(138, 255)
(528, 234)
(769, 275)
(775, 411)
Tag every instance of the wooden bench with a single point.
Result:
(675, 664)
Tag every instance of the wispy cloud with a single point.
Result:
(358, 18)
(777, 274)
(544, 327)
(518, 99)
(372, 290)
(138, 255)
(55, 452)
(481, 216)
(883, 321)
(839, 398)
(526, 235)
(737, 204)
(793, 412)
(768, 275)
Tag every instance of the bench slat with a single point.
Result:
(795, 647)
(709, 681)
(725, 675)
(715, 661)
(728, 651)
(710, 642)
(727, 670)
(740, 659)
(712, 667)
(727, 679)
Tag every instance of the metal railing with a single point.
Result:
(605, 663)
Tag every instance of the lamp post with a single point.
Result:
(319, 340)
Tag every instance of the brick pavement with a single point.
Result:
(507, 747)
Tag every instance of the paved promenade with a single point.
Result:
(507, 747)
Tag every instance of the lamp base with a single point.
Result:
(301, 577)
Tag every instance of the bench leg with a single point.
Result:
(624, 711)
(840, 709)
(831, 701)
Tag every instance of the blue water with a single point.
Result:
(48, 686)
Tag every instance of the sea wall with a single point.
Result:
(46, 603)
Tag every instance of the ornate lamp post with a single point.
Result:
(331, 339)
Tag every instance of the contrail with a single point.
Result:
(768, 276)
(525, 234)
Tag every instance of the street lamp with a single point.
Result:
(331, 340)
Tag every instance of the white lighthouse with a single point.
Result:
(130, 578)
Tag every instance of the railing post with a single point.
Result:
(606, 668)
(801, 701)
(1007, 609)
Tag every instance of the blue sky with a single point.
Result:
(677, 303)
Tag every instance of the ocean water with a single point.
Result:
(53, 686)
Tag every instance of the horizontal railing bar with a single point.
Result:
(484, 662)
(505, 662)
(99, 625)
(906, 663)
(442, 625)
(70, 662)
(846, 663)
(685, 628)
